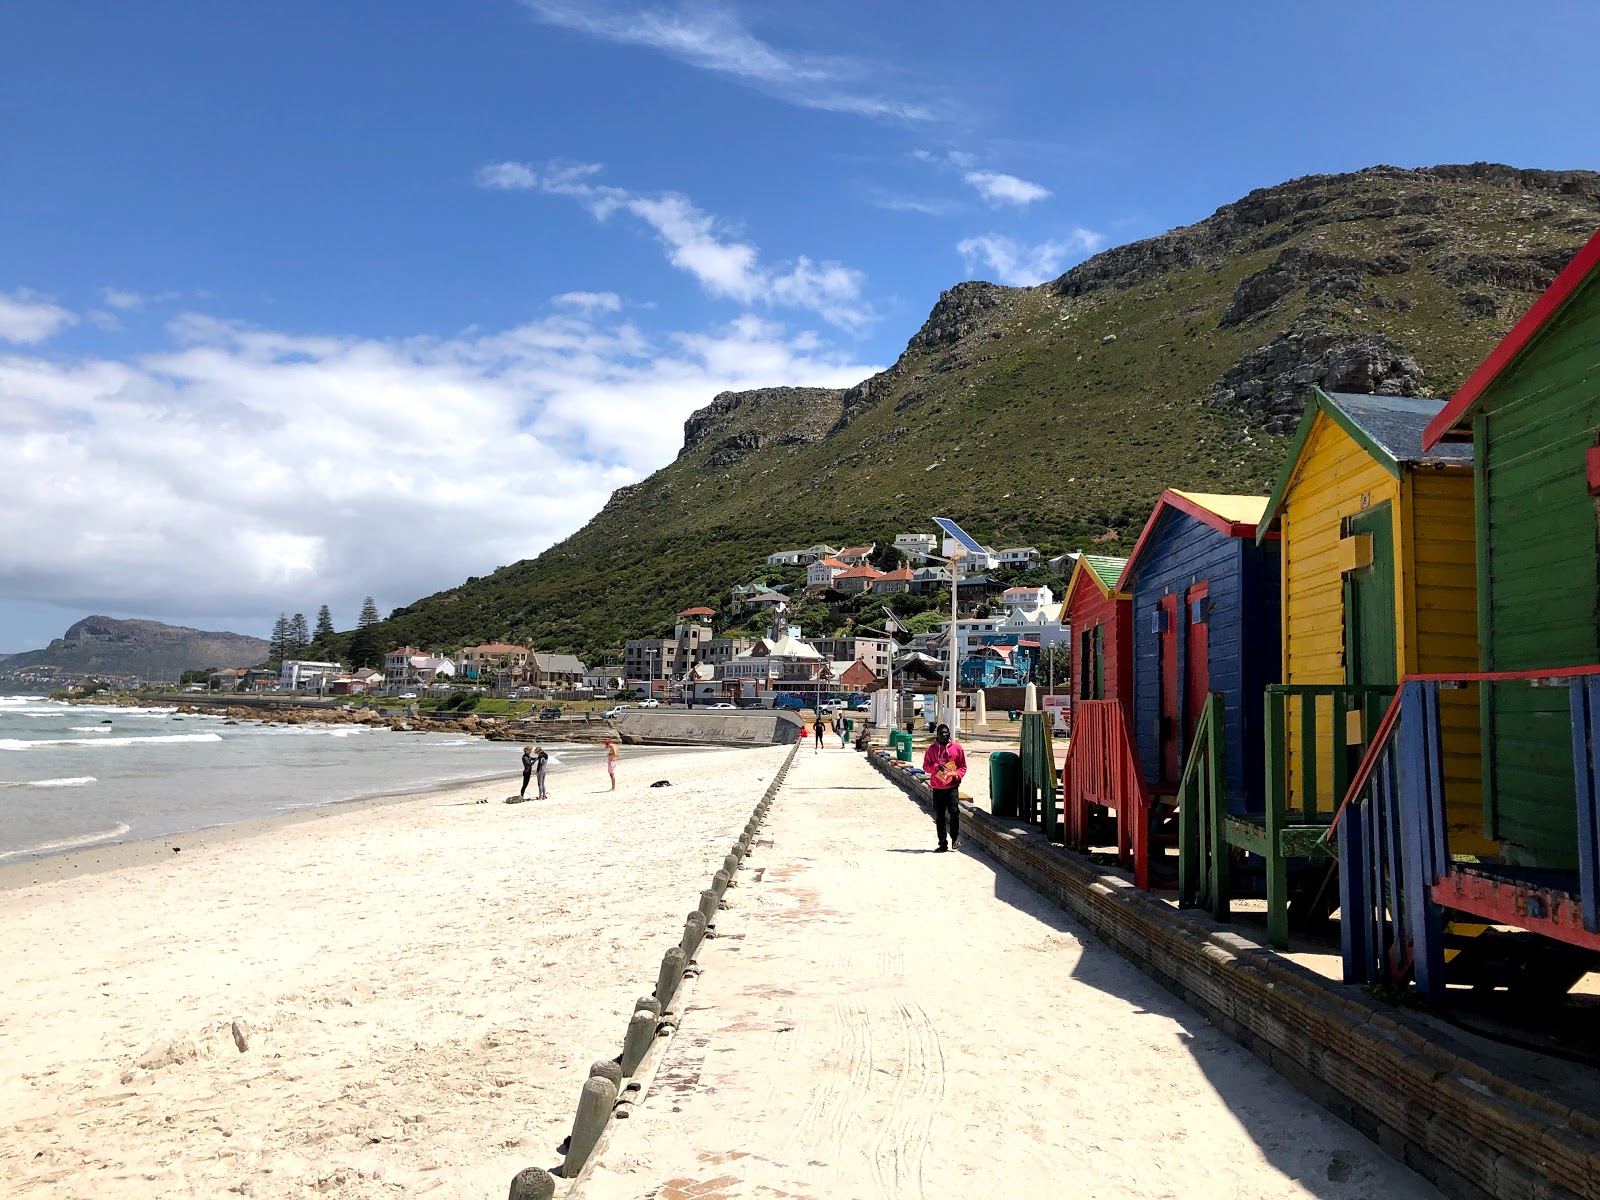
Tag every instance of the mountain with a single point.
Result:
(1054, 415)
(148, 649)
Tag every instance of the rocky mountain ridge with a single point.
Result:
(1055, 414)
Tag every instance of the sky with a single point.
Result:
(305, 301)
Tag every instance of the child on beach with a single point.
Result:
(611, 762)
(541, 760)
(527, 772)
(819, 731)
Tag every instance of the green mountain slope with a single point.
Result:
(1054, 415)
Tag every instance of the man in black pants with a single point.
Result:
(946, 765)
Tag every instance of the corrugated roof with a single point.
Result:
(1396, 424)
(1106, 569)
(1236, 510)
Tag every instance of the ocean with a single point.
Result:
(74, 775)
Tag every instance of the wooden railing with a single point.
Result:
(1202, 808)
(1103, 769)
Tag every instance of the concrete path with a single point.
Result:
(881, 1021)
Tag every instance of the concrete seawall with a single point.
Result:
(708, 727)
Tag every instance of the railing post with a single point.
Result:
(1216, 788)
(1308, 757)
(1585, 695)
(1355, 905)
(1189, 849)
(1426, 926)
(1277, 782)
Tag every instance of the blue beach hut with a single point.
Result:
(1205, 619)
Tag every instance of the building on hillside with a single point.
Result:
(897, 580)
(818, 552)
(226, 681)
(916, 546)
(872, 651)
(979, 589)
(854, 556)
(787, 558)
(927, 580)
(970, 562)
(303, 675)
(750, 597)
(691, 633)
(857, 579)
(1018, 558)
(650, 658)
(488, 658)
(555, 670)
(824, 571)
(397, 667)
(1031, 612)
(1062, 564)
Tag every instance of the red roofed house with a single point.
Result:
(824, 571)
(857, 579)
(479, 661)
(854, 556)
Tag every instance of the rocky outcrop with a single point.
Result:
(1273, 382)
(735, 424)
(961, 310)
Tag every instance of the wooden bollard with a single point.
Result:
(532, 1183)
(647, 1004)
(594, 1112)
(693, 930)
(641, 1032)
(607, 1068)
(671, 976)
(708, 905)
(719, 883)
(730, 865)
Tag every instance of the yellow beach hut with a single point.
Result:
(1378, 581)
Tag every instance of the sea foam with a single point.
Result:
(26, 744)
(72, 843)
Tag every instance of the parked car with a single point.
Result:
(407, 696)
(611, 714)
(550, 713)
(720, 704)
(751, 704)
(861, 705)
(649, 702)
(790, 700)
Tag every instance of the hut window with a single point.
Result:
(1158, 621)
(1197, 615)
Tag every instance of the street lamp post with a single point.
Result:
(955, 533)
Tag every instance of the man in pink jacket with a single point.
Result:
(946, 765)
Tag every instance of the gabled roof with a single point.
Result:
(1233, 516)
(861, 572)
(1514, 343)
(855, 551)
(1388, 428)
(831, 562)
(698, 612)
(1103, 571)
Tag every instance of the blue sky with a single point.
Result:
(304, 301)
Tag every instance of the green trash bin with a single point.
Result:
(900, 743)
(1005, 783)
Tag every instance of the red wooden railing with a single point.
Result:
(1102, 768)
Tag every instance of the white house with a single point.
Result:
(916, 546)
(1018, 558)
(824, 571)
(303, 675)
(787, 558)
(971, 562)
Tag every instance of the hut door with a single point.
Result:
(1370, 654)
(1196, 659)
(1171, 727)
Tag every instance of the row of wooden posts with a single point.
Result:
(612, 1087)
(1239, 676)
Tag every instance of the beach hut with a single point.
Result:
(1204, 597)
(1532, 412)
(1101, 774)
(1377, 581)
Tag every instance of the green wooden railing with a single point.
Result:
(1202, 804)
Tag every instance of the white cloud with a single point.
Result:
(131, 301)
(589, 301)
(244, 470)
(27, 318)
(999, 188)
(711, 37)
(1021, 265)
(101, 319)
(697, 242)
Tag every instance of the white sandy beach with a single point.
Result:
(425, 985)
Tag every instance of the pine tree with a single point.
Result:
(299, 634)
(369, 613)
(324, 623)
(278, 643)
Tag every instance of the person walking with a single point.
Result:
(611, 762)
(819, 730)
(541, 760)
(946, 764)
(527, 770)
(844, 724)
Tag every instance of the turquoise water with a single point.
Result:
(77, 775)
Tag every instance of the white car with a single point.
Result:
(611, 714)
(721, 704)
(649, 702)
(406, 696)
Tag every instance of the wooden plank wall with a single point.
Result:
(1333, 475)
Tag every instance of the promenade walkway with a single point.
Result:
(882, 1021)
